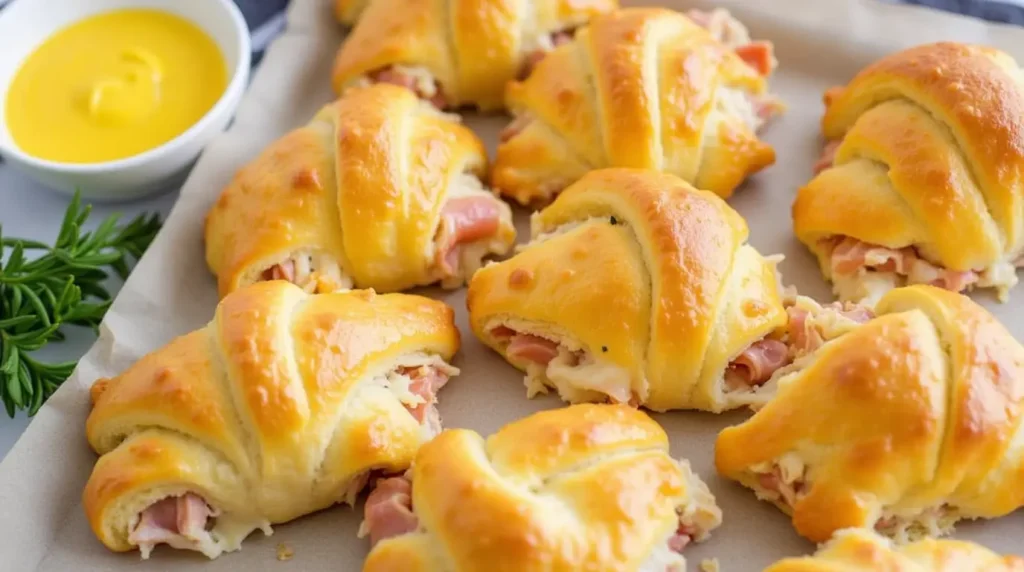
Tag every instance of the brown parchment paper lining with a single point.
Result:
(819, 43)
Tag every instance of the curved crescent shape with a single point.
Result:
(855, 550)
(455, 53)
(280, 407)
(642, 289)
(378, 191)
(588, 487)
(643, 88)
(923, 178)
(905, 424)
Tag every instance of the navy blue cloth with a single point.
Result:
(986, 9)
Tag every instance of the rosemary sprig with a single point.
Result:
(59, 287)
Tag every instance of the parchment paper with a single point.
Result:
(819, 43)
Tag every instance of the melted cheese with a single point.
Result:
(114, 85)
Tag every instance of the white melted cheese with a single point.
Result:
(316, 271)
(664, 559)
(226, 535)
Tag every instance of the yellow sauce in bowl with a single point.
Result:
(114, 85)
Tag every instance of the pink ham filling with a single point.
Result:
(682, 538)
(535, 57)
(282, 271)
(804, 338)
(388, 510)
(170, 519)
(759, 55)
(828, 156)
(465, 220)
(848, 255)
(756, 364)
(753, 367)
(398, 77)
(426, 382)
(774, 482)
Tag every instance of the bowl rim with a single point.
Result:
(239, 77)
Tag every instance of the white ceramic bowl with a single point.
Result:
(25, 24)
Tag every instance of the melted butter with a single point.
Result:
(114, 85)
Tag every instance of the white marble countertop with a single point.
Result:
(29, 210)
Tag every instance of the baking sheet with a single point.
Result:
(819, 43)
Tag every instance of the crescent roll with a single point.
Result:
(645, 88)
(904, 424)
(855, 550)
(378, 191)
(922, 178)
(588, 487)
(638, 288)
(456, 53)
(283, 405)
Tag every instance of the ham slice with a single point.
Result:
(400, 78)
(722, 26)
(766, 108)
(756, 364)
(282, 271)
(682, 538)
(759, 55)
(850, 255)
(804, 338)
(388, 510)
(464, 220)
(180, 521)
(828, 156)
(426, 382)
(532, 348)
(533, 58)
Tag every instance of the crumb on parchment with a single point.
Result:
(709, 565)
(284, 552)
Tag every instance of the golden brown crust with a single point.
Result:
(265, 412)
(915, 410)
(593, 103)
(364, 183)
(472, 47)
(932, 155)
(578, 488)
(856, 550)
(670, 292)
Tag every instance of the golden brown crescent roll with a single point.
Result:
(645, 88)
(858, 550)
(922, 180)
(905, 424)
(638, 288)
(378, 191)
(280, 407)
(456, 53)
(588, 487)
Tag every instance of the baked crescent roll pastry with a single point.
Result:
(378, 191)
(905, 424)
(638, 288)
(588, 487)
(645, 88)
(456, 53)
(283, 405)
(858, 550)
(922, 179)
